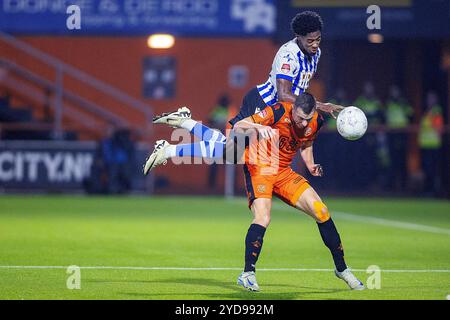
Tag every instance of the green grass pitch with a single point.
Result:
(194, 235)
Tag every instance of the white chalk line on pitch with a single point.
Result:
(222, 269)
(376, 220)
(392, 223)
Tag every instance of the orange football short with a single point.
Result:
(286, 185)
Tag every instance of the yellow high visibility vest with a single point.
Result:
(429, 136)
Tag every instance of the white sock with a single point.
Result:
(171, 151)
(188, 124)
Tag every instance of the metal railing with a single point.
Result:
(30, 92)
(63, 97)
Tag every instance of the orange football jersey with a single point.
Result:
(290, 139)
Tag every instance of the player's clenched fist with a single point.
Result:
(316, 170)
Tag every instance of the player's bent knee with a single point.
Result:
(321, 211)
(263, 221)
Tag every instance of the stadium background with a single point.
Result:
(64, 93)
(228, 57)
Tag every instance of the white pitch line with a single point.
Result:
(392, 223)
(379, 221)
(222, 269)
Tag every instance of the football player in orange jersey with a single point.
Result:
(293, 127)
(296, 126)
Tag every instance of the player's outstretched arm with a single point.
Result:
(246, 124)
(329, 107)
(284, 89)
(308, 157)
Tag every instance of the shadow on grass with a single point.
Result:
(237, 292)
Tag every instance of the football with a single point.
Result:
(351, 123)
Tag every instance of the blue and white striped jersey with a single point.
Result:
(292, 64)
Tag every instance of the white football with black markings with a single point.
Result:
(352, 123)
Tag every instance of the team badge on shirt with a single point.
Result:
(262, 114)
(261, 188)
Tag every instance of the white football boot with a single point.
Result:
(157, 157)
(173, 119)
(248, 281)
(350, 279)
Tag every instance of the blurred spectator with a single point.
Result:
(398, 111)
(430, 142)
(119, 159)
(370, 104)
(97, 182)
(375, 163)
(334, 144)
(398, 116)
(218, 119)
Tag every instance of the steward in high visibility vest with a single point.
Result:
(398, 115)
(370, 104)
(430, 142)
(398, 110)
(431, 126)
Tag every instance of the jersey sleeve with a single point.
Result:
(286, 65)
(265, 117)
(270, 115)
(243, 113)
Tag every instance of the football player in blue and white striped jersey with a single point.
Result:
(293, 67)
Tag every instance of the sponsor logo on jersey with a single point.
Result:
(285, 68)
(262, 114)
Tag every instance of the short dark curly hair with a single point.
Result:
(306, 22)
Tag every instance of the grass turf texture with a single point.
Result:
(209, 233)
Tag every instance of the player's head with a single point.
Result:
(303, 110)
(307, 27)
